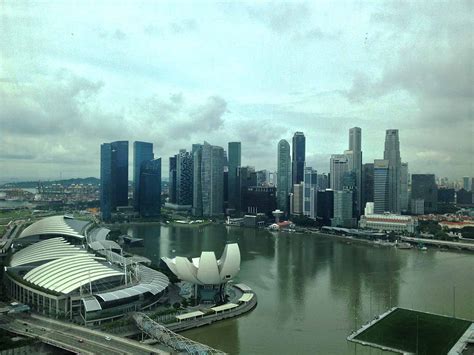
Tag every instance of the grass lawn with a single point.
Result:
(6, 216)
(398, 330)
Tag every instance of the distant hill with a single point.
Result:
(33, 184)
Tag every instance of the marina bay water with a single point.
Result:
(314, 290)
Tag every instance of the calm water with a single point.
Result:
(314, 290)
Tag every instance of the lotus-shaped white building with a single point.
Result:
(206, 270)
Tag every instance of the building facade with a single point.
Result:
(258, 199)
(149, 198)
(235, 156)
(197, 180)
(310, 192)
(325, 203)
(381, 186)
(212, 180)
(389, 222)
(392, 155)
(142, 151)
(172, 180)
(298, 157)
(184, 178)
(283, 175)
(113, 177)
(297, 199)
(355, 145)
(338, 166)
(423, 186)
(367, 183)
(404, 187)
(343, 209)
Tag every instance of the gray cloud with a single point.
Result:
(281, 17)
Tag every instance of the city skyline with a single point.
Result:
(74, 78)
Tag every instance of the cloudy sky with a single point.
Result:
(75, 74)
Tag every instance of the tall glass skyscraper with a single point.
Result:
(298, 156)
(184, 178)
(355, 141)
(208, 199)
(172, 180)
(381, 186)
(283, 175)
(392, 155)
(367, 184)
(142, 151)
(113, 177)
(234, 164)
(338, 166)
(310, 192)
(404, 187)
(149, 198)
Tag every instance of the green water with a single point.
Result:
(314, 290)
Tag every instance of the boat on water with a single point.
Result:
(404, 245)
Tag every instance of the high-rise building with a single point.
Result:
(392, 155)
(423, 186)
(142, 151)
(297, 200)
(184, 178)
(323, 181)
(367, 183)
(172, 180)
(283, 175)
(338, 166)
(464, 198)
(381, 186)
(113, 177)
(310, 192)
(259, 199)
(246, 177)
(466, 183)
(298, 157)
(446, 195)
(349, 183)
(343, 209)
(149, 198)
(212, 180)
(325, 203)
(262, 177)
(234, 163)
(355, 145)
(197, 180)
(404, 187)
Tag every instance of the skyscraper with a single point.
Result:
(149, 198)
(298, 157)
(113, 177)
(172, 179)
(381, 186)
(338, 166)
(184, 178)
(355, 145)
(212, 180)
(283, 175)
(297, 200)
(367, 183)
(246, 177)
(423, 187)
(404, 187)
(343, 212)
(142, 151)
(197, 181)
(310, 192)
(325, 203)
(392, 155)
(234, 163)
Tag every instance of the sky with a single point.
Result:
(75, 74)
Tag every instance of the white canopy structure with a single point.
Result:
(206, 270)
(56, 225)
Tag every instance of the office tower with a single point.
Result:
(423, 186)
(184, 178)
(258, 199)
(298, 157)
(149, 198)
(355, 145)
(466, 183)
(367, 183)
(272, 178)
(212, 180)
(417, 206)
(172, 180)
(234, 163)
(404, 187)
(343, 209)
(197, 181)
(323, 182)
(142, 151)
(325, 203)
(246, 177)
(392, 155)
(309, 192)
(297, 200)
(113, 177)
(446, 195)
(464, 198)
(381, 186)
(283, 175)
(262, 177)
(338, 166)
(349, 183)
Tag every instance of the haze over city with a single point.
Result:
(74, 75)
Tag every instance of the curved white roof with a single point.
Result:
(45, 250)
(57, 225)
(206, 270)
(69, 273)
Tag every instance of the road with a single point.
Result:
(75, 338)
